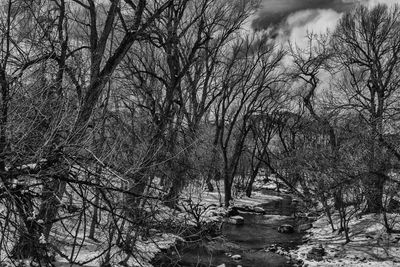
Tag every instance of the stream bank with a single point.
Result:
(252, 241)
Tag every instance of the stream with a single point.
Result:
(249, 240)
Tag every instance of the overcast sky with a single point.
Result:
(292, 18)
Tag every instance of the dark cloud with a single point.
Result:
(274, 12)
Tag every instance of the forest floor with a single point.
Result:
(370, 244)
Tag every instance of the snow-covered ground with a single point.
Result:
(91, 252)
(145, 252)
(370, 244)
(256, 199)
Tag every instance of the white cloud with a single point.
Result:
(299, 24)
(317, 21)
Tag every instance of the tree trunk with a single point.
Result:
(228, 189)
(327, 210)
(29, 245)
(209, 184)
(375, 179)
(52, 194)
(137, 186)
(249, 187)
(95, 219)
(374, 192)
(171, 199)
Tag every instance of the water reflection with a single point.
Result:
(248, 240)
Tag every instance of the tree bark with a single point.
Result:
(374, 183)
(227, 189)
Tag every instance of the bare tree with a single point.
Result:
(37, 40)
(250, 75)
(367, 48)
(174, 77)
(264, 127)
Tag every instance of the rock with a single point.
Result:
(246, 208)
(220, 212)
(222, 265)
(301, 215)
(295, 201)
(238, 220)
(236, 257)
(373, 234)
(243, 208)
(286, 229)
(281, 252)
(232, 211)
(316, 253)
(153, 231)
(304, 227)
(313, 214)
(351, 257)
(278, 250)
(259, 210)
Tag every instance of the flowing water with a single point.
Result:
(249, 240)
